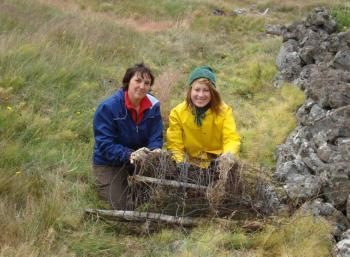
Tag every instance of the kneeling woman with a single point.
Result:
(125, 123)
(202, 127)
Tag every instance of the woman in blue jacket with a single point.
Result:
(127, 121)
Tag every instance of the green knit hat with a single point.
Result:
(202, 72)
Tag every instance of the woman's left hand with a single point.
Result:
(139, 155)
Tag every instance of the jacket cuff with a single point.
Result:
(127, 153)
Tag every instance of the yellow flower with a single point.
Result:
(77, 113)
(9, 108)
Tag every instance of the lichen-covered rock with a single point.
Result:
(348, 209)
(328, 90)
(314, 161)
(288, 61)
(318, 207)
(300, 188)
(290, 169)
(310, 112)
(336, 125)
(337, 188)
(342, 248)
(342, 60)
(294, 31)
(321, 18)
(345, 235)
(274, 29)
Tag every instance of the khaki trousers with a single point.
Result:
(112, 184)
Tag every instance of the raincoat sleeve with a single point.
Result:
(175, 142)
(231, 139)
(105, 136)
(156, 130)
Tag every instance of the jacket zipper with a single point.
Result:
(137, 123)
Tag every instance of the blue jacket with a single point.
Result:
(117, 135)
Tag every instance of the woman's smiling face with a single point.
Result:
(200, 94)
(139, 86)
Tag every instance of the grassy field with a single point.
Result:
(59, 59)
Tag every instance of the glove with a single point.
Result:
(139, 155)
(227, 155)
(182, 166)
(157, 150)
(226, 159)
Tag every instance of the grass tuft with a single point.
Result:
(301, 236)
(342, 17)
(269, 124)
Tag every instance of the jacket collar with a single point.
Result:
(144, 104)
(137, 116)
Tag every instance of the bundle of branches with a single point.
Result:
(227, 187)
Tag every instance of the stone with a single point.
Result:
(321, 19)
(345, 235)
(343, 248)
(328, 90)
(337, 187)
(314, 160)
(318, 207)
(300, 188)
(342, 60)
(273, 29)
(348, 209)
(290, 169)
(310, 112)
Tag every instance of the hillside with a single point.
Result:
(59, 59)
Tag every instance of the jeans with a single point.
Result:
(112, 184)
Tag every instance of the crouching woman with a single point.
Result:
(126, 123)
(202, 127)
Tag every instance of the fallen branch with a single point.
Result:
(143, 216)
(166, 182)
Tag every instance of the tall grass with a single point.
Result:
(148, 9)
(57, 64)
(263, 131)
(302, 235)
(342, 16)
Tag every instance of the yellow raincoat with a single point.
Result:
(189, 142)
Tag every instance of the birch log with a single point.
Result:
(143, 216)
(166, 182)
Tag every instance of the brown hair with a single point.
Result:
(137, 68)
(215, 101)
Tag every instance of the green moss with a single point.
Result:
(342, 17)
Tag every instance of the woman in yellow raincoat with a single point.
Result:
(202, 127)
